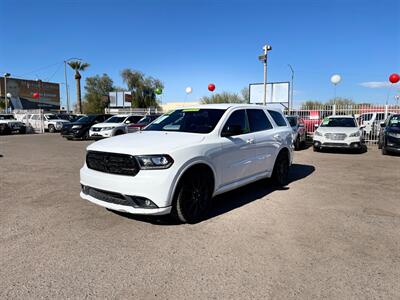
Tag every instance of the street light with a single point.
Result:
(6, 75)
(66, 82)
(291, 92)
(263, 58)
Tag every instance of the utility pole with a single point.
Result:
(291, 91)
(5, 89)
(66, 84)
(263, 58)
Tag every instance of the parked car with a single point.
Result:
(182, 159)
(80, 128)
(115, 125)
(50, 122)
(371, 122)
(8, 124)
(389, 136)
(299, 131)
(338, 132)
(69, 117)
(143, 122)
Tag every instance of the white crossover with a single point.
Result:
(50, 122)
(185, 157)
(338, 132)
(114, 125)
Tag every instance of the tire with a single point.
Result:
(119, 132)
(280, 174)
(22, 130)
(316, 149)
(85, 136)
(52, 129)
(192, 196)
(297, 144)
(384, 151)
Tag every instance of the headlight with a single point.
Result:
(107, 128)
(59, 125)
(76, 126)
(148, 162)
(354, 134)
(393, 134)
(317, 133)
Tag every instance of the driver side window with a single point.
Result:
(236, 124)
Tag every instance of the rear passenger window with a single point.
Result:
(258, 120)
(278, 118)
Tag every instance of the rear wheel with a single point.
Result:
(192, 196)
(280, 174)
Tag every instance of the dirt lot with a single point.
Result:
(334, 232)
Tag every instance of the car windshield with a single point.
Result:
(87, 119)
(394, 121)
(292, 121)
(338, 122)
(115, 119)
(7, 117)
(52, 117)
(188, 120)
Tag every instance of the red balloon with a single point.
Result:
(36, 95)
(211, 87)
(394, 78)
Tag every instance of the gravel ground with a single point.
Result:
(332, 233)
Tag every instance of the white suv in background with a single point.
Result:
(184, 158)
(338, 132)
(51, 122)
(114, 125)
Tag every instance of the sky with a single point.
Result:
(194, 43)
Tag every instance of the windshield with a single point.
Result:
(338, 122)
(87, 119)
(51, 117)
(7, 117)
(188, 120)
(394, 121)
(292, 121)
(115, 119)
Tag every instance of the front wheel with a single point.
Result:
(193, 196)
(52, 129)
(280, 174)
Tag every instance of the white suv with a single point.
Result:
(114, 125)
(338, 132)
(185, 157)
(51, 122)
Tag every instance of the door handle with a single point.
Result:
(250, 141)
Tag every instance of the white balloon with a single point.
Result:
(335, 79)
(189, 90)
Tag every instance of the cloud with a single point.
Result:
(376, 84)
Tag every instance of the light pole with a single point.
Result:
(66, 81)
(263, 58)
(6, 75)
(291, 91)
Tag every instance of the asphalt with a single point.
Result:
(332, 233)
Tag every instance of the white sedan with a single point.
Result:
(184, 158)
(338, 132)
(114, 125)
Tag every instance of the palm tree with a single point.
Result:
(77, 66)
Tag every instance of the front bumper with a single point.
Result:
(347, 143)
(96, 135)
(155, 185)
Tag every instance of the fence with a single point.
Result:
(32, 118)
(369, 116)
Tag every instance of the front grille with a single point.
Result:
(96, 129)
(335, 136)
(114, 163)
(117, 198)
(335, 145)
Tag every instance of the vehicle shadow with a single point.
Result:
(232, 200)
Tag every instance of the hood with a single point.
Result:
(102, 125)
(347, 130)
(147, 142)
(60, 120)
(393, 129)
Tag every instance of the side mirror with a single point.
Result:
(232, 130)
(383, 125)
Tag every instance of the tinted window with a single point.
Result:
(278, 118)
(115, 119)
(237, 118)
(258, 120)
(134, 119)
(188, 120)
(292, 121)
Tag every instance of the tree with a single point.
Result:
(142, 88)
(341, 101)
(310, 104)
(97, 93)
(223, 97)
(245, 94)
(78, 66)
